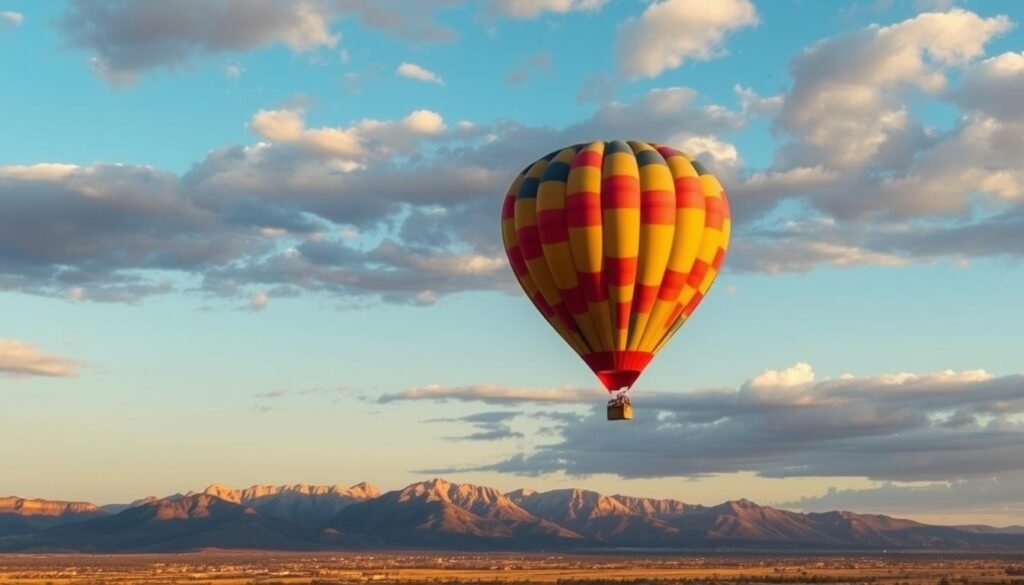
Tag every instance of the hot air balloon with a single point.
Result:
(616, 243)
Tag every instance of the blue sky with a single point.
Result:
(258, 243)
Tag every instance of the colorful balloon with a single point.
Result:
(616, 243)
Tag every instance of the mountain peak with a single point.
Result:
(365, 490)
(39, 507)
(221, 491)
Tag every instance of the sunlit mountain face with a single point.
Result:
(442, 515)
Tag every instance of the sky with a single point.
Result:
(257, 242)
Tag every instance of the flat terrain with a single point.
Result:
(228, 568)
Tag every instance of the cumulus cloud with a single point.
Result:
(891, 190)
(21, 359)
(128, 37)
(855, 86)
(93, 228)
(670, 32)
(414, 71)
(788, 423)
(994, 87)
(351, 144)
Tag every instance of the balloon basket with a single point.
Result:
(620, 408)
(620, 412)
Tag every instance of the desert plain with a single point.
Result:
(408, 568)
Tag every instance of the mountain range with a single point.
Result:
(438, 514)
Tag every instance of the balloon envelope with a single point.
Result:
(616, 243)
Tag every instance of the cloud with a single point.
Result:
(538, 63)
(670, 32)
(130, 36)
(993, 495)
(798, 375)
(892, 191)
(21, 359)
(412, 21)
(233, 71)
(316, 391)
(534, 8)
(11, 18)
(855, 86)
(92, 229)
(489, 426)
(994, 87)
(349, 145)
(496, 394)
(414, 71)
(787, 423)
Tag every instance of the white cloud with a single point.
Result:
(21, 359)
(414, 71)
(710, 149)
(37, 172)
(12, 18)
(233, 71)
(354, 144)
(669, 32)
(799, 374)
(278, 125)
(424, 122)
(852, 86)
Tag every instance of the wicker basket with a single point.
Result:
(620, 412)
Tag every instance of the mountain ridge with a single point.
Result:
(440, 514)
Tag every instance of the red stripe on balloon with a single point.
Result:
(551, 226)
(688, 193)
(587, 158)
(593, 285)
(508, 207)
(646, 294)
(620, 192)
(671, 284)
(700, 270)
(583, 209)
(716, 212)
(689, 308)
(529, 242)
(622, 315)
(621, 271)
(658, 207)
